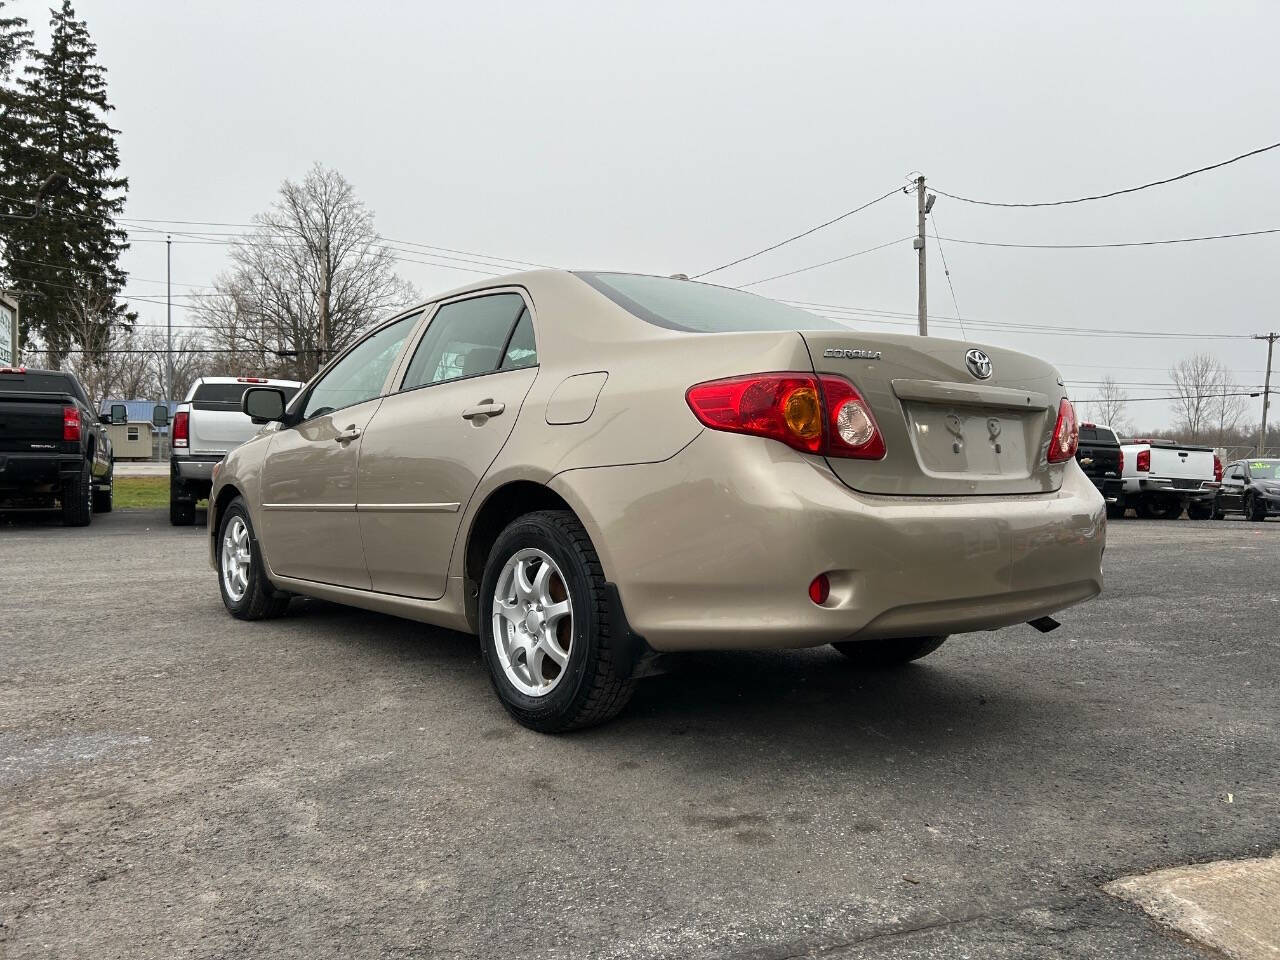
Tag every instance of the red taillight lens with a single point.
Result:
(1143, 461)
(71, 423)
(815, 415)
(1066, 433)
(1120, 468)
(820, 589)
(181, 421)
(1217, 469)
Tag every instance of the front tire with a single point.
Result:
(246, 592)
(77, 499)
(546, 633)
(1253, 509)
(885, 654)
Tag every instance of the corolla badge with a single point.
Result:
(979, 364)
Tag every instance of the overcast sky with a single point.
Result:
(665, 137)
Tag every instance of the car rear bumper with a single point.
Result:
(716, 547)
(23, 471)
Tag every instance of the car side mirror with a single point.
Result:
(263, 404)
(160, 415)
(119, 413)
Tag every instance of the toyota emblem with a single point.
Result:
(979, 364)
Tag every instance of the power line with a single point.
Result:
(1098, 246)
(824, 263)
(947, 271)
(1113, 193)
(781, 243)
(1177, 396)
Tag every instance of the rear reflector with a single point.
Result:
(1066, 434)
(820, 589)
(71, 424)
(809, 413)
(181, 422)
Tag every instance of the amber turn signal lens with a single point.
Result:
(803, 413)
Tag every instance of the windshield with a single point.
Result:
(701, 307)
(1264, 469)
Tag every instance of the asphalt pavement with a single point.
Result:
(340, 783)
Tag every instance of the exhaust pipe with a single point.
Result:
(1044, 624)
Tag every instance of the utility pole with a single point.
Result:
(324, 302)
(1271, 339)
(168, 323)
(924, 203)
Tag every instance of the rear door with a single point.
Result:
(956, 419)
(310, 529)
(429, 444)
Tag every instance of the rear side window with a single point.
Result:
(465, 339)
(701, 307)
(226, 396)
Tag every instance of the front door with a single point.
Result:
(310, 529)
(1232, 494)
(428, 446)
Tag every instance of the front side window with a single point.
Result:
(465, 339)
(359, 375)
(1234, 473)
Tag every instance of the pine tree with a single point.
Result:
(15, 40)
(69, 254)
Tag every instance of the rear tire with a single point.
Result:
(257, 599)
(884, 654)
(1115, 511)
(1152, 508)
(591, 686)
(1202, 510)
(77, 499)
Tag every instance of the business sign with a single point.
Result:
(8, 331)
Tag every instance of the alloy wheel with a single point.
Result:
(532, 622)
(236, 558)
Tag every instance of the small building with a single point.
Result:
(137, 438)
(132, 440)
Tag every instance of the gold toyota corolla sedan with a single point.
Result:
(591, 469)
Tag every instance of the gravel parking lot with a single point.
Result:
(339, 783)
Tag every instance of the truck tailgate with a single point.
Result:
(31, 421)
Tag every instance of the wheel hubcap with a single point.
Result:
(532, 622)
(235, 559)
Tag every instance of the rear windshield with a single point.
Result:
(41, 381)
(701, 307)
(1098, 435)
(226, 396)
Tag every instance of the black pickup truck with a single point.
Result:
(1102, 461)
(53, 447)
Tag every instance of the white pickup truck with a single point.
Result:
(1162, 478)
(208, 425)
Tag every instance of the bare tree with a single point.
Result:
(1204, 404)
(1111, 406)
(269, 301)
(97, 340)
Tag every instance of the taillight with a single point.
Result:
(1066, 433)
(1217, 469)
(71, 424)
(812, 414)
(1120, 468)
(181, 420)
(1143, 462)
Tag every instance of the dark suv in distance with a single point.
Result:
(1102, 461)
(1251, 487)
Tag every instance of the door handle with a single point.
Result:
(486, 408)
(351, 433)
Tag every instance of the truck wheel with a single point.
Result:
(546, 633)
(893, 652)
(1253, 509)
(104, 496)
(77, 499)
(246, 592)
(1201, 509)
(1152, 508)
(182, 513)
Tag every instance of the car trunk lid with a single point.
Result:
(948, 431)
